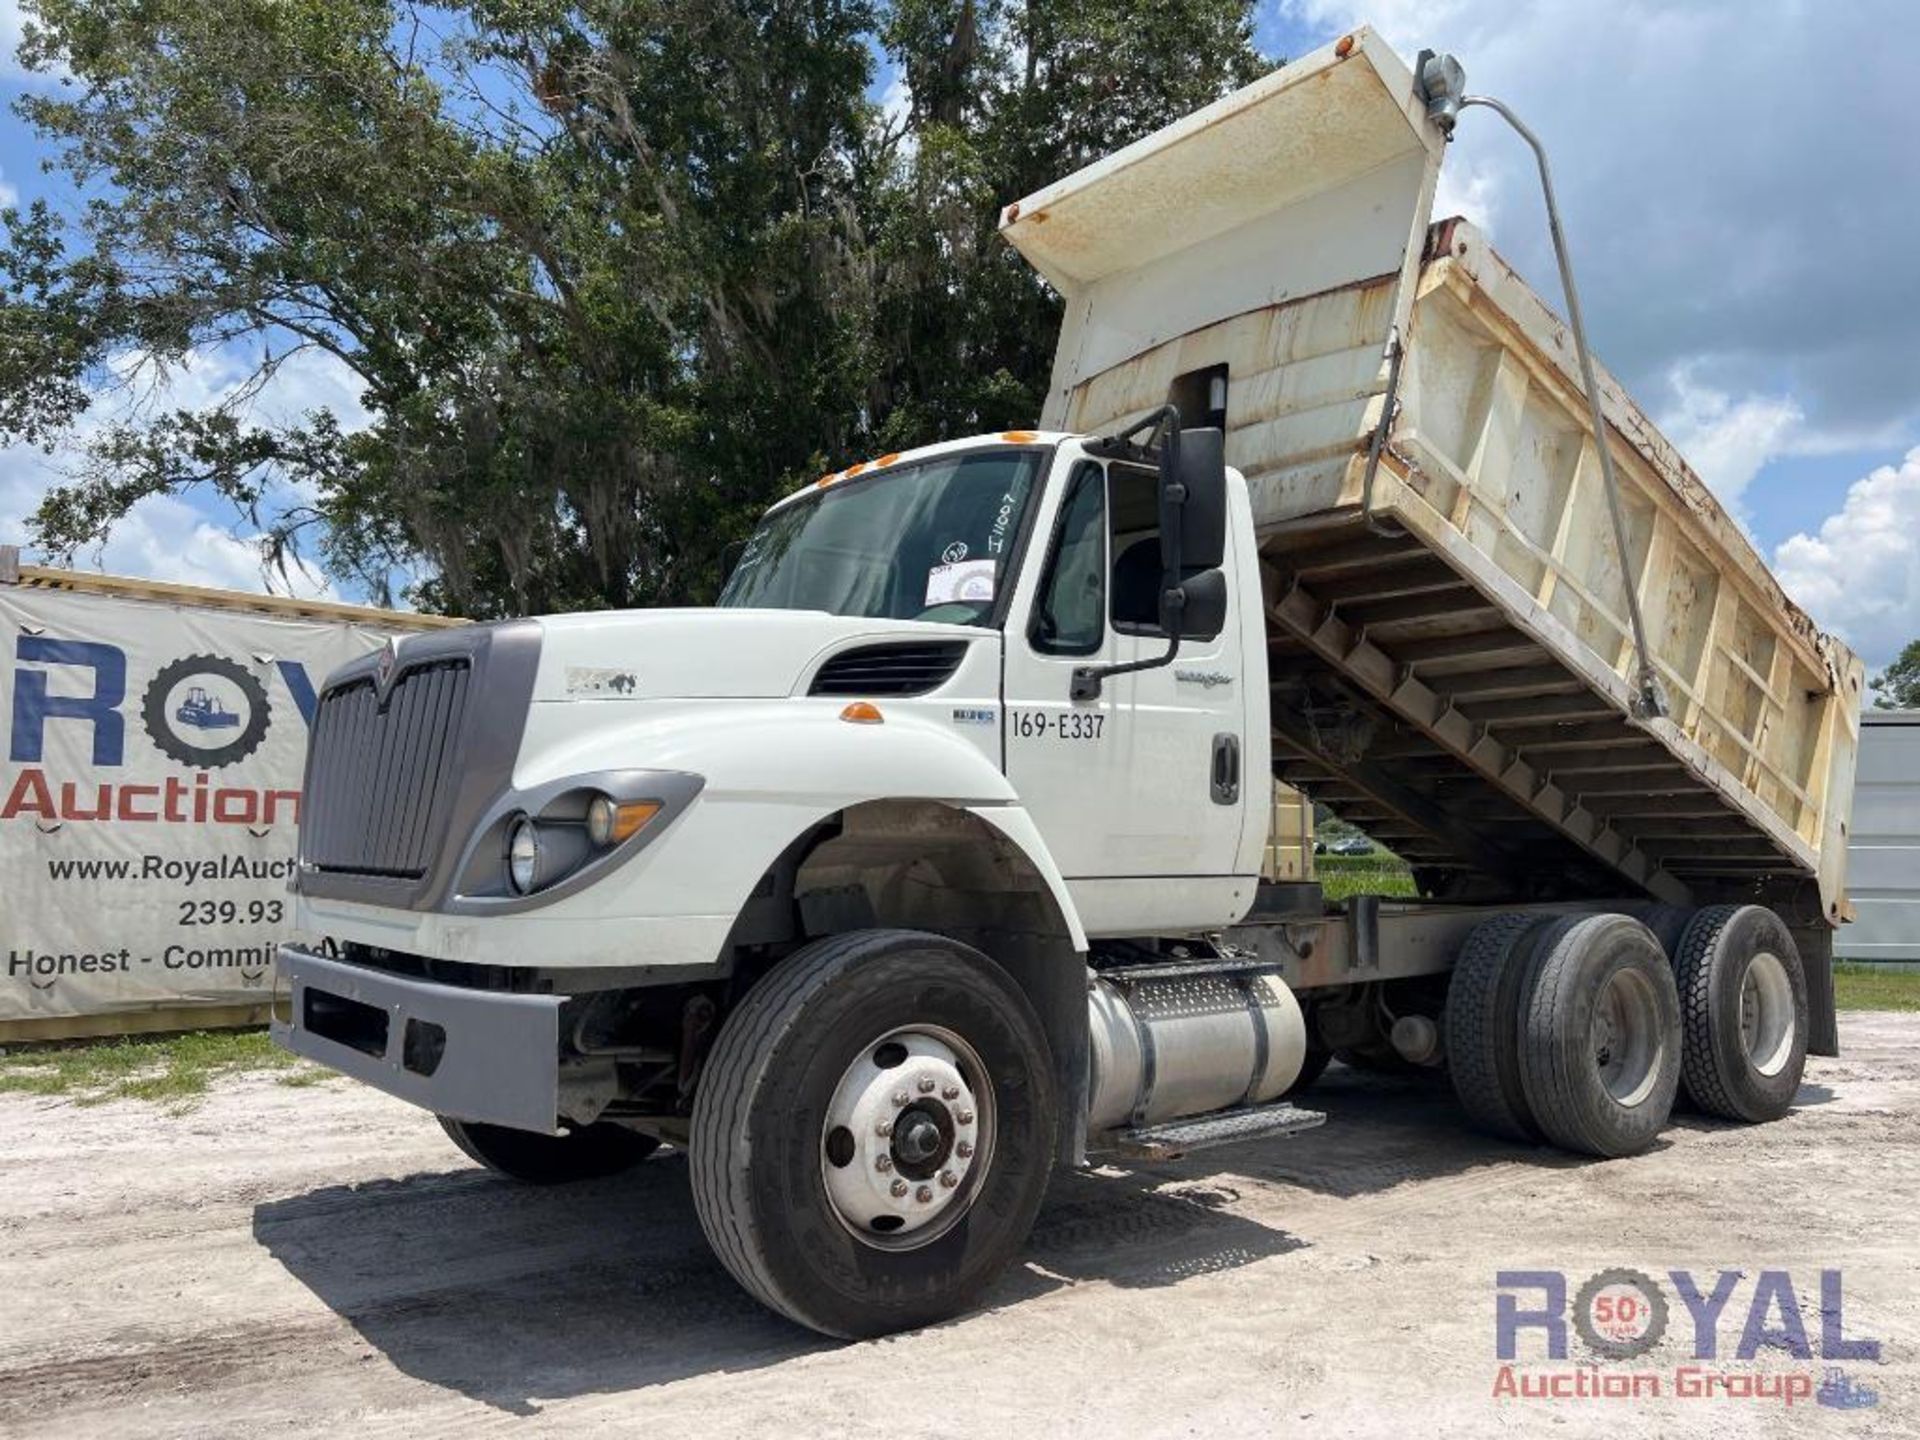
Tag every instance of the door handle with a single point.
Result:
(1226, 769)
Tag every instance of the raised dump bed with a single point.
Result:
(1451, 660)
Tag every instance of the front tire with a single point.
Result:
(873, 1132)
(591, 1152)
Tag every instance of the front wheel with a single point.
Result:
(588, 1153)
(873, 1132)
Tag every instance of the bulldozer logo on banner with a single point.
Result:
(204, 711)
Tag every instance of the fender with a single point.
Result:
(773, 770)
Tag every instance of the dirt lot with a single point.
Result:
(317, 1260)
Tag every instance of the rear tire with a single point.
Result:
(811, 1186)
(1600, 1036)
(1483, 1025)
(589, 1153)
(1743, 1009)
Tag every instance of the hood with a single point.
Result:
(704, 654)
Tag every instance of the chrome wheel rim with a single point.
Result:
(908, 1137)
(1627, 1044)
(1766, 1014)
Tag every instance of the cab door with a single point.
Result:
(1140, 793)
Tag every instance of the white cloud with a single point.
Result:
(9, 35)
(161, 538)
(165, 537)
(1471, 189)
(8, 195)
(1727, 441)
(1860, 575)
(11, 29)
(896, 101)
(1763, 244)
(307, 380)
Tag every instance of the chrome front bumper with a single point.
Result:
(482, 1055)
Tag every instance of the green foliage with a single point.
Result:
(1875, 987)
(1898, 686)
(610, 275)
(174, 1070)
(1342, 876)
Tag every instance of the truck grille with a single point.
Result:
(380, 775)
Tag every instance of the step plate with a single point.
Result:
(1228, 1127)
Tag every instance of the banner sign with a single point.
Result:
(149, 795)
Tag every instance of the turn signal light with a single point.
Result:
(609, 823)
(863, 712)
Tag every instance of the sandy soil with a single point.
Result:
(320, 1261)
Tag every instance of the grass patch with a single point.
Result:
(1341, 876)
(1875, 987)
(170, 1070)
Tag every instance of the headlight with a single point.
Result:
(602, 816)
(523, 856)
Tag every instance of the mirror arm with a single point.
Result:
(1087, 678)
(1165, 423)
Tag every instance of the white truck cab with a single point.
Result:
(930, 858)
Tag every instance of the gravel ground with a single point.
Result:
(321, 1260)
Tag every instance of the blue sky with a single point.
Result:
(1742, 194)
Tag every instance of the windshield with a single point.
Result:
(927, 541)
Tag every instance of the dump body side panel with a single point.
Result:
(1451, 669)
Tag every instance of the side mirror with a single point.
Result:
(1193, 500)
(1197, 607)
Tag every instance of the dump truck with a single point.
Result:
(930, 859)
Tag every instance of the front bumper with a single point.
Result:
(481, 1055)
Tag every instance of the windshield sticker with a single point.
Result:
(968, 580)
(954, 553)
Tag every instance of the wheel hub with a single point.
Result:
(1625, 1036)
(1766, 1013)
(907, 1137)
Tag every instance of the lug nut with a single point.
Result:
(927, 1082)
(900, 1097)
(883, 1163)
(964, 1150)
(898, 1188)
(965, 1117)
(924, 1194)
(952, 1092)
(883, 1129)
(948, 1179)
